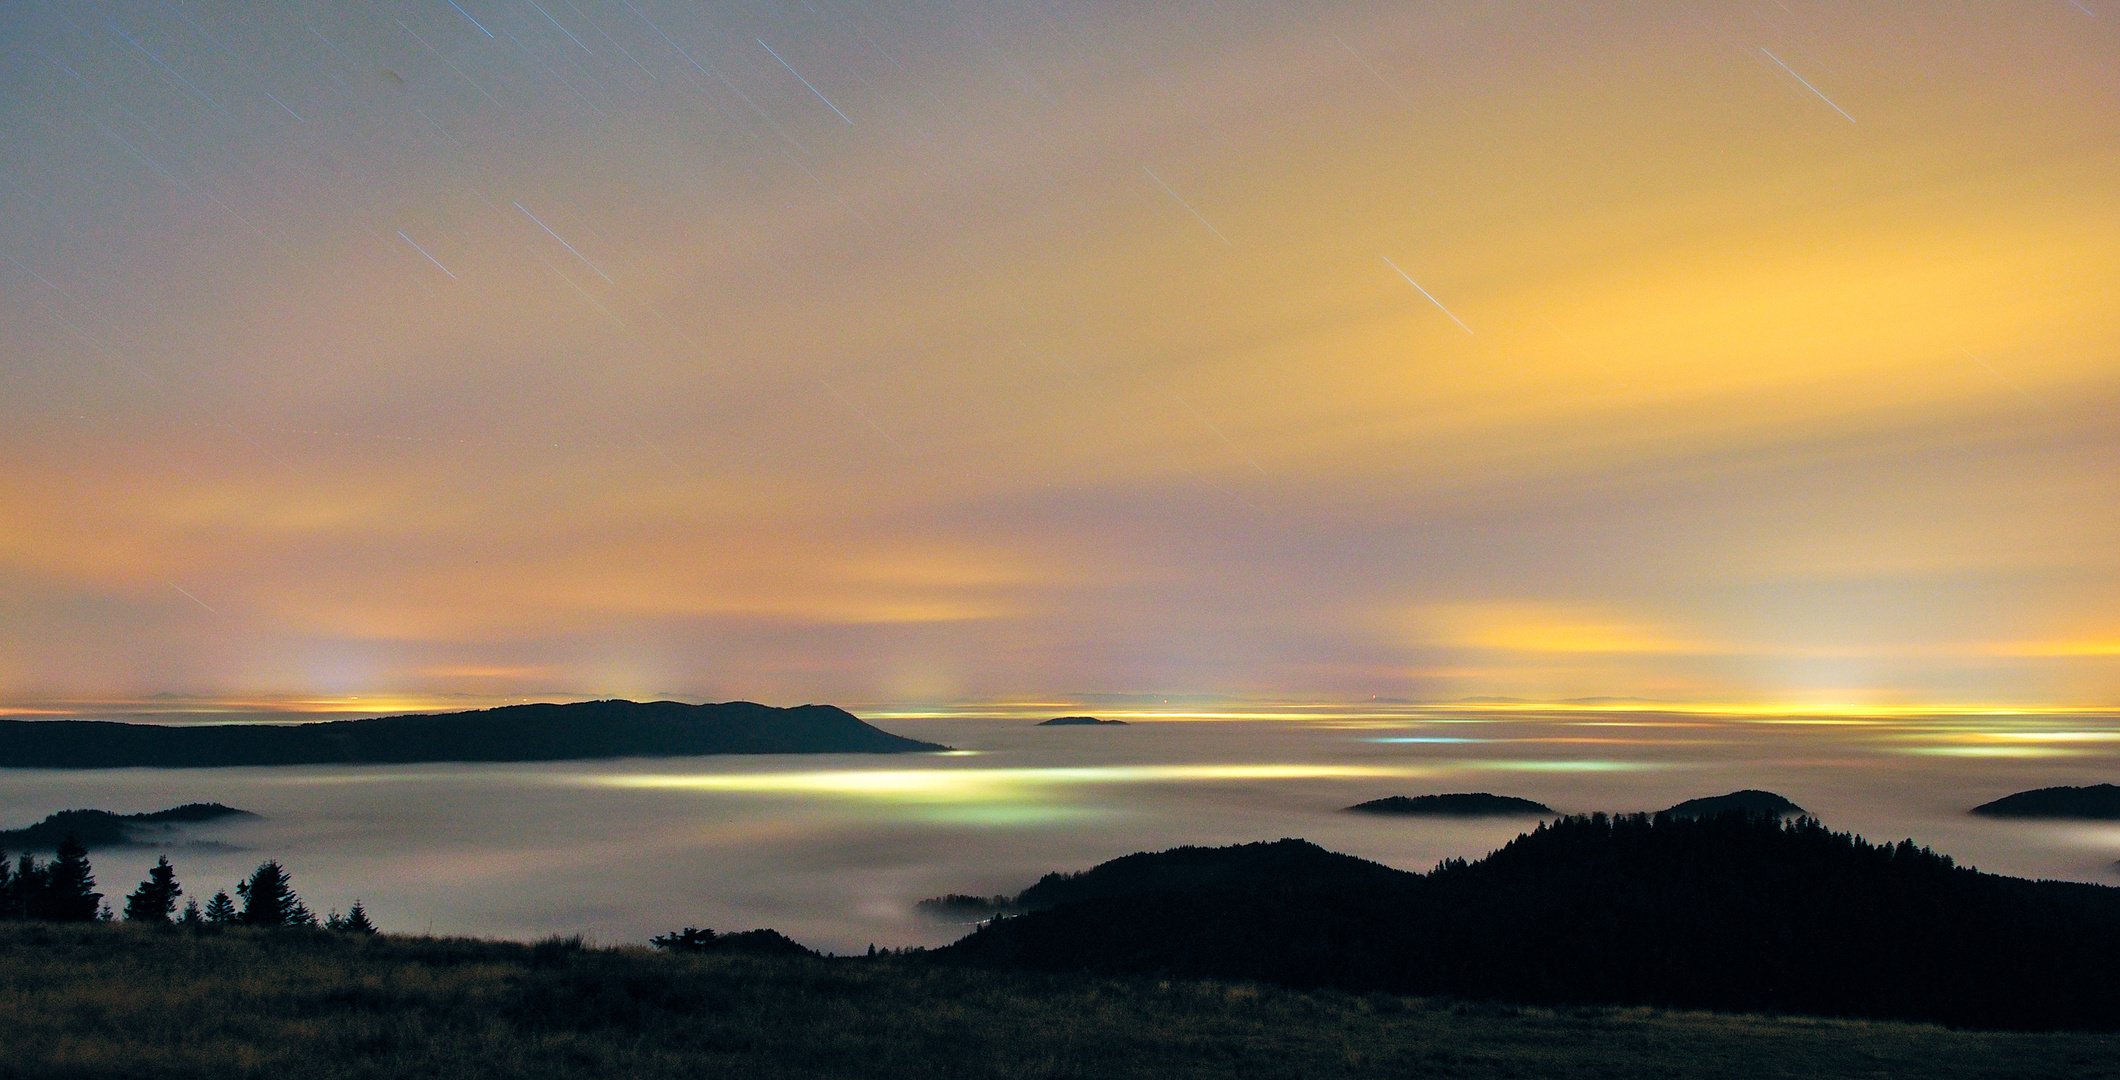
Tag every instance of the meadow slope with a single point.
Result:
(119, 1000)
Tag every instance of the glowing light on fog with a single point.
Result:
(1565, 766)
(1994, 751)
(973, 785)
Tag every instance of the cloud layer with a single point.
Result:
(926, 350)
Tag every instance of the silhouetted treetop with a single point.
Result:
(357, 921)
(959, 907)
(761, 942)
(156, 898)
(69, 887)
(220, 909)
(269, 899)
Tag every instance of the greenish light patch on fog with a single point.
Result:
(1011, 814)
(1562, 766)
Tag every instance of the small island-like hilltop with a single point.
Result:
(104, 829)
(1459, 804)
(2098, 802)
(1750, 802)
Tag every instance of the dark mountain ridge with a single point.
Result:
(2099, 802)
(541, 732)
(1738, 912)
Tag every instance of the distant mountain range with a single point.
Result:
(543, 732)
(1080, 721)
(103, 829)
(1736, 912)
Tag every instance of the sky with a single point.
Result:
(424, 350)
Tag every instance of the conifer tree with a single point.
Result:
(221, 909)
(269, 899)
(357, 921)
(7, 888)
(156, 898)
(192, 915)
(28, 899)
(70, 894)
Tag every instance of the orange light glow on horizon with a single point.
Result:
(1561, 354)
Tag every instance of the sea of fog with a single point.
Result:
(834, 850)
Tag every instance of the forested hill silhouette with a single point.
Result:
(1189, 870)
(1749, 801)
(1735, 912)
(2099, 802)
(103, 829)
(543, 732)
(1457, 804)
(1184, 871)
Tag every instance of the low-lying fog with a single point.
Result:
(834, 850)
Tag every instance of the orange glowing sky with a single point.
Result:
(1759, 352)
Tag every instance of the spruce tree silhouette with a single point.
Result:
(269, 899)
(156, 898)
(70, 889)
(26, 898)
(7, 889)
(357, 921)
(220, 909)
(192, 915)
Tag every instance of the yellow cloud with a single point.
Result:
(2080, 648)
(1539, 628)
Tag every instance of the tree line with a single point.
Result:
(1739, 913)
(64, 890)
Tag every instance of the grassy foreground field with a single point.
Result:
(110, 1001)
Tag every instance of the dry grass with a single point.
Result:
(110, 1001)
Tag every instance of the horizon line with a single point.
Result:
(1171, 707)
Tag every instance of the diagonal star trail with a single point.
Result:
(1807, 84)
(1430, 296)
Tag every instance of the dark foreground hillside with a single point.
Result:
(87, 1001)
(1738, 913)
